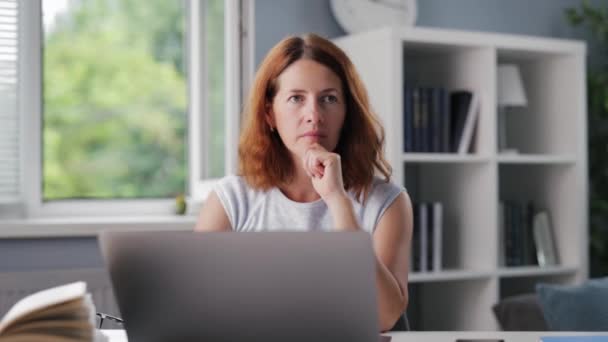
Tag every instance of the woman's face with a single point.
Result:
(308, 107)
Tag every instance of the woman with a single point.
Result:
(308, 153)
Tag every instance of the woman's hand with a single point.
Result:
(325, 169)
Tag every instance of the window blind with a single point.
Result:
(9, 92)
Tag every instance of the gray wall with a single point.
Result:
(277, 18)
(41, 254)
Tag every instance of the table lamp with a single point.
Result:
(510, 93)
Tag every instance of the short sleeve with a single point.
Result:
(232, 194)
(382, 196)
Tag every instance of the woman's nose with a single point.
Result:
(314, 114)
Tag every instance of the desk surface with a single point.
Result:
(506, 336)
(440, 336)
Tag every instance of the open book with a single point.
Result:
(60, 314)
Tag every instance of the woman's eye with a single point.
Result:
(329, 99)
(296, 99)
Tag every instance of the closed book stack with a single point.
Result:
(518, 246)
(438, 121)
(426, 119)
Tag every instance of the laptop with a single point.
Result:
(264, 286)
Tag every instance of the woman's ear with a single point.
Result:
(269, 116)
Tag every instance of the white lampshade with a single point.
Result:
(510, 87)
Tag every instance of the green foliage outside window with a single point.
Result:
(115, 99)
(596, 20)
(215, 54)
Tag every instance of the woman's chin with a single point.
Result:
(312, 139)
(313, 143)
(302, 148)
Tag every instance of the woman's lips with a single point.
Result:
(317, 135)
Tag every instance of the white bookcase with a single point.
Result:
(550, 169)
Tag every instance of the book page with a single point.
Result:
(74, 311)
(68, 328)
(38, 337)
(43, 299)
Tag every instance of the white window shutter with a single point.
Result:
(9, 90)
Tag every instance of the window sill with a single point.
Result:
(91, 226)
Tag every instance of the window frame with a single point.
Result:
(12, 202)
(238, 25)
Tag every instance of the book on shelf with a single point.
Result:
(437, 236)
(529, 247)
(438, 121)
(426, 119)
(526, 236)
(427, 244)
(517, 247)
(446, 120)
(501, 231)
(416, 120)
(424, 127)
(464, 111)
(424, 233)
(408, 118)
(546, 251)
(415, 247)
(60, 314)
(438, 113)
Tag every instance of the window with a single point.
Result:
(125, 102)
(9, 118)
(215, 85)
(114, 99)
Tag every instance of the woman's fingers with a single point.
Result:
(317, 160)
(307, 161)
(315, 166)
(320, 169)
(308, 164)
(314, 162)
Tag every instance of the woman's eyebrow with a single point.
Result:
(291, 91)
(296, 91)
(329, 90)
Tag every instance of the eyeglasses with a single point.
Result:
(102, 316)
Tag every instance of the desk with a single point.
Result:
(115, 335)
(442, 336)
(507, 336)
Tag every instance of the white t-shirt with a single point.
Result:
(251, 210)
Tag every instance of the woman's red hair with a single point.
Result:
(265, 162)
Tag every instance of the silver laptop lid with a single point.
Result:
(267, 286)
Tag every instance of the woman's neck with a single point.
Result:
(300, 189)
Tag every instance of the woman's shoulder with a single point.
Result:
(381, 186)
(382, 194)
(232, 181)
(236, 186)
(237, 198)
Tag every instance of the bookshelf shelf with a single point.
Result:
(441, 276)
(536, 159)
(535, 271)
(442, 158)
(407, 73)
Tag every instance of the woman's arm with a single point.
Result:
(392, 235)
(212, 216)
(392, 239)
